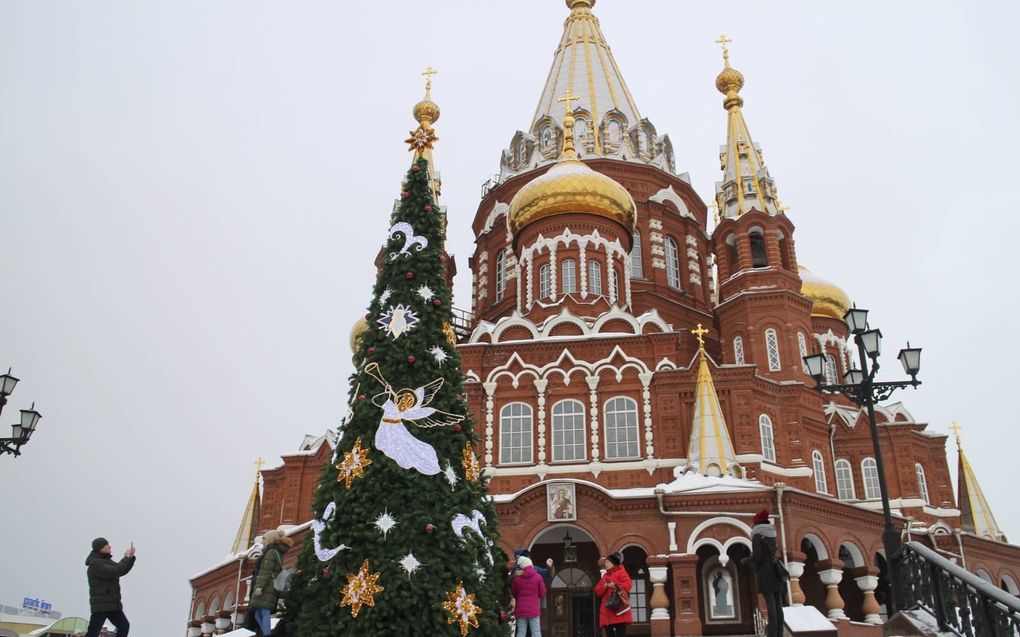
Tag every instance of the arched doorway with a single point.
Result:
(726, 590)
(571, 609)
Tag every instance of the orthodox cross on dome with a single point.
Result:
(567, 99)
(568, 126)
(699, 333)
(724, 42)
(427, 74)
(955, 428)
(258, 465)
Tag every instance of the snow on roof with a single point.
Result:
(690, 482)
(806, 619)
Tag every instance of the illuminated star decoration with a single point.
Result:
(451, 475)
(410, 563)
(470, 463)
(421, 139)
(426, 293)
(353, 465)
(385, 522)
(451, 336)
(398, 320)
(439, 354)
(461, 606)
(361, 589)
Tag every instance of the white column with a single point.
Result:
(208, 629)
(868, 584)
(540, 385)
(658, 601)
(611, 276)
(593, 382)
(582, 262)
(673, 547)
(520, 283)
(531, 281)
(833, 600)
(490, 391)
(796, 570)
(646, 399)
(194, 631)
(222, 625)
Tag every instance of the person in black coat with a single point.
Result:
(104, 587)
(766, 567)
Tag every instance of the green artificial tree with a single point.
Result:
(402, 539)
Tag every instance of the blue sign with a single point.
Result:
(37, 604)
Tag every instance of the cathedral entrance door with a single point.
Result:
(571, 609)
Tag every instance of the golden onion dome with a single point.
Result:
(828, 299)
(568, 187)
(729, 79)
(426, 112)
(584, 3)
(357, 333)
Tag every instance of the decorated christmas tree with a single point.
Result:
(402, 540)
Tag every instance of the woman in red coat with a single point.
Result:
(614, 621)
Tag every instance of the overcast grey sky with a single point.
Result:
(192, 193)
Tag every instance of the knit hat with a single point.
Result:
(99, 543)
(271, 536)
(615, 558)
(761, 517)
(524, 562)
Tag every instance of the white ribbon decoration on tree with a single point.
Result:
(474, 523)
(318, 526)
(410, 240)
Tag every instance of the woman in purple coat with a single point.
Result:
(528, 589)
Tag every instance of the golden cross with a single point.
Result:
(567, 99)
(955, 428)
(427, 74)
(724, 42)
(258, 465)
(700, 334)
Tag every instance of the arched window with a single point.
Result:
(738, 350)
(672, 264)
(199, 611)
(772, 349)
(845, 481)
(614, 282)
(214, 606)
(580, 129)
(830, 370)
(621, 428)
(544, 282)
(759, 259)
(500, 274)
(635, 258)
(228, 601)
(547, 137)
(568, 441)
(595, 277)
(568, 280)
(821, 486)
(515, 433)
(869, 471)
(802, 345)
(768, 443)
(922, 483)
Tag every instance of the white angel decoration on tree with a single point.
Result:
(393, 438)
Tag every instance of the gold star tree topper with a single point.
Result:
(461, 606)
(353, 465)
(361, 589)
(470, 463)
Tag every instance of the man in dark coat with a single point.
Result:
(770, 580)
(104, 587)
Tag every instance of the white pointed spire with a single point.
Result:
(710, 451)
(248, 528)
(975, 514)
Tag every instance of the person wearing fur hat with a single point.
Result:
(766, 568)
(528, 589)
(264, 595)
(614, 620)
(104, 587)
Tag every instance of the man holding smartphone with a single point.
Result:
(104, 587)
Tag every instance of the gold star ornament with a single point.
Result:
(470, 463)
(451, 336)
(421, 139)
(361, 589)
(461, 607)
(353, 465)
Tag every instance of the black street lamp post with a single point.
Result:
(23, 431)
(861, 388)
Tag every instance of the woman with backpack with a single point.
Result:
(264, 595)
(614, 595)
(769, 570)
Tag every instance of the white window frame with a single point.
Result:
(636, 265)
(568, 276)
(818, 464)
(672, 263)
(500, 274)
(772, 349)
(845, 480)
(570, 423)
(544, 281)
(738, 350)
(802, 345)
(614, 281)
(516, 419)
(869, 476)
(831, 377)
(922, 483)
(594, 277)
(768, 440)
(620, 416)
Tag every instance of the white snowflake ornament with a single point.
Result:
(410, 563)
(426, 293)
(385, 522)
(398, 320)
(439, 354)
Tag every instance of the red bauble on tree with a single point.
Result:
(442, 258)
(457, 428)
(409, 275)
(325, 572)
(430, 529)
(371, 350)
(415, 168)
(405, 195)
(411, 359)
(437, 302)
(362, 397)
(428, 208)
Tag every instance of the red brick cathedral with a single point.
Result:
(634, 366)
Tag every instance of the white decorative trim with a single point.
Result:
(565, 365)
(593, 411)
(499, 209)
(588, 328)
(540, 386)
(693, 540)
(670, 195)
(655, 224)
(646, 398)
(490, 392)
(595, 468)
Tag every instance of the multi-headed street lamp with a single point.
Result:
(23, 431)
(861, 388)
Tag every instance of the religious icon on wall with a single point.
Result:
(721, 605)
(560, 501)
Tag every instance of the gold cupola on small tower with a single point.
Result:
(571, 186)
